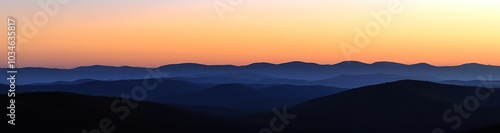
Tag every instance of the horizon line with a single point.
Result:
(263, 62)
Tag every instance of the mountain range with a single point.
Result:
(265, 72)
(402, 106)
(345, 97)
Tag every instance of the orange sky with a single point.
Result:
(152, 33)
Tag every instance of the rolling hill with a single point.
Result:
(239, 97)
(59, 112)
(402, 106)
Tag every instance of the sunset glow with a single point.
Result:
(118, 33)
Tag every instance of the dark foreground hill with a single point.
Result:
(403, 106)
(398, 107)
(490, 129)
(58, 112)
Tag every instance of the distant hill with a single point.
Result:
(342, 81)
(354, 81)
(483, 83)
(292, 70)
(66, 82)
(238, 97)
(114, 88)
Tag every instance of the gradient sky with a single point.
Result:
(155, 32)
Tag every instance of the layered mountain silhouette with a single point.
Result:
(238, 97)
(246, 99)
(292, 70)
(343, 81)
(382, 97)
(115, 88)
(403, 106)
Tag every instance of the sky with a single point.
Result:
(151, 33)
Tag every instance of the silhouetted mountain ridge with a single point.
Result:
(59, 112)
(403, 106)
(291, 70)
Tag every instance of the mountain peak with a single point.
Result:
(298, 63)
(95, 67)
(351, 63)
(421, 64)
(387, 63)
(261, 64)
(472, 64)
